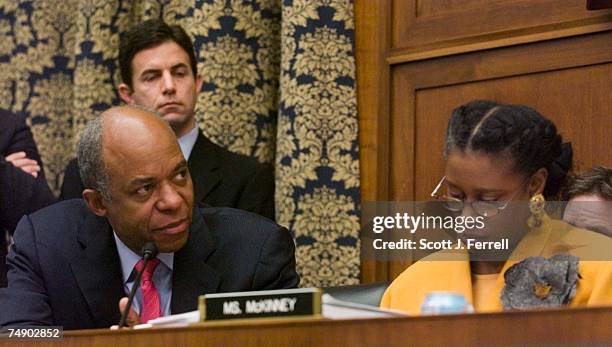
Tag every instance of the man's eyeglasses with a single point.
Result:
(482, 208)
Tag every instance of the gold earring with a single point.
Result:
(536, 207)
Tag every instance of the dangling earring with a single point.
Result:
(536, 207)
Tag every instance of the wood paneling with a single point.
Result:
(554, 77)
(372, 40)
(419, 59)
(372, 95)
(429, 8)
(584, 121)
(425, 23)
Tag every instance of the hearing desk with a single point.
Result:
(567, 327)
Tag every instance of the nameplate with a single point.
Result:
(260, 304)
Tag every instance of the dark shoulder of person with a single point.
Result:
(244, 183)
(72, 187)
(260, 253)
(20, 192)
(239, 224)
(241, 165)
(15, 136)
(65, 215)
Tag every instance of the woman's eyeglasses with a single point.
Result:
(482, 208)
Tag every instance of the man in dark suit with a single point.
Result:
(159, 71)
(72, 263)
(23, 188)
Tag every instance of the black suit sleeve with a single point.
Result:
(25, 302)
(276, 266)
(72, 187)
(23, 141)
(258, 193)
(20, 192)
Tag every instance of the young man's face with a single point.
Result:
(162, 80)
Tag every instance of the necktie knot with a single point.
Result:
(147, 275)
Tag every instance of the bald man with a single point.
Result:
(73, 262)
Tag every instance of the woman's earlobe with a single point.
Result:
(538, 182)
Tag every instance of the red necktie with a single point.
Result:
(150, 298)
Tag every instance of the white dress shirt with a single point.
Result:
(162, 276)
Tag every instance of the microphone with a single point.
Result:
(149, 251)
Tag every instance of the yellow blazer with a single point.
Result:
(594, 250)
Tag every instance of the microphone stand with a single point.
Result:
(149, 251)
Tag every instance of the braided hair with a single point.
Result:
(516, 131)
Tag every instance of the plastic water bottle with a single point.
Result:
(445, 303)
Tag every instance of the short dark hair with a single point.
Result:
(598, 181)
(517, 131)
(92, 168)
(149, 34)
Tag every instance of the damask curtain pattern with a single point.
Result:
(57, 63)
(279, 85)
(317, 186)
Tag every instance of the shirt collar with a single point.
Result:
(187, 141)
(129, 259)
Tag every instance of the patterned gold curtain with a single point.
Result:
(279, 85)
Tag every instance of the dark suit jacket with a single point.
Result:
(20, 192)
(64, 268)
(220, 178)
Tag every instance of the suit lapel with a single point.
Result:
(204, 165)
(98, 271)
(191, 276)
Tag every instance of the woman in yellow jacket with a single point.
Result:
(496, 157)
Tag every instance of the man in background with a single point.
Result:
(73, 263)
(590, 201)
(23, 188)
(159, 72)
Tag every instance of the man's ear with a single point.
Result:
(198, 84)
(538, 182)
(95, 202)
(125, 92)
